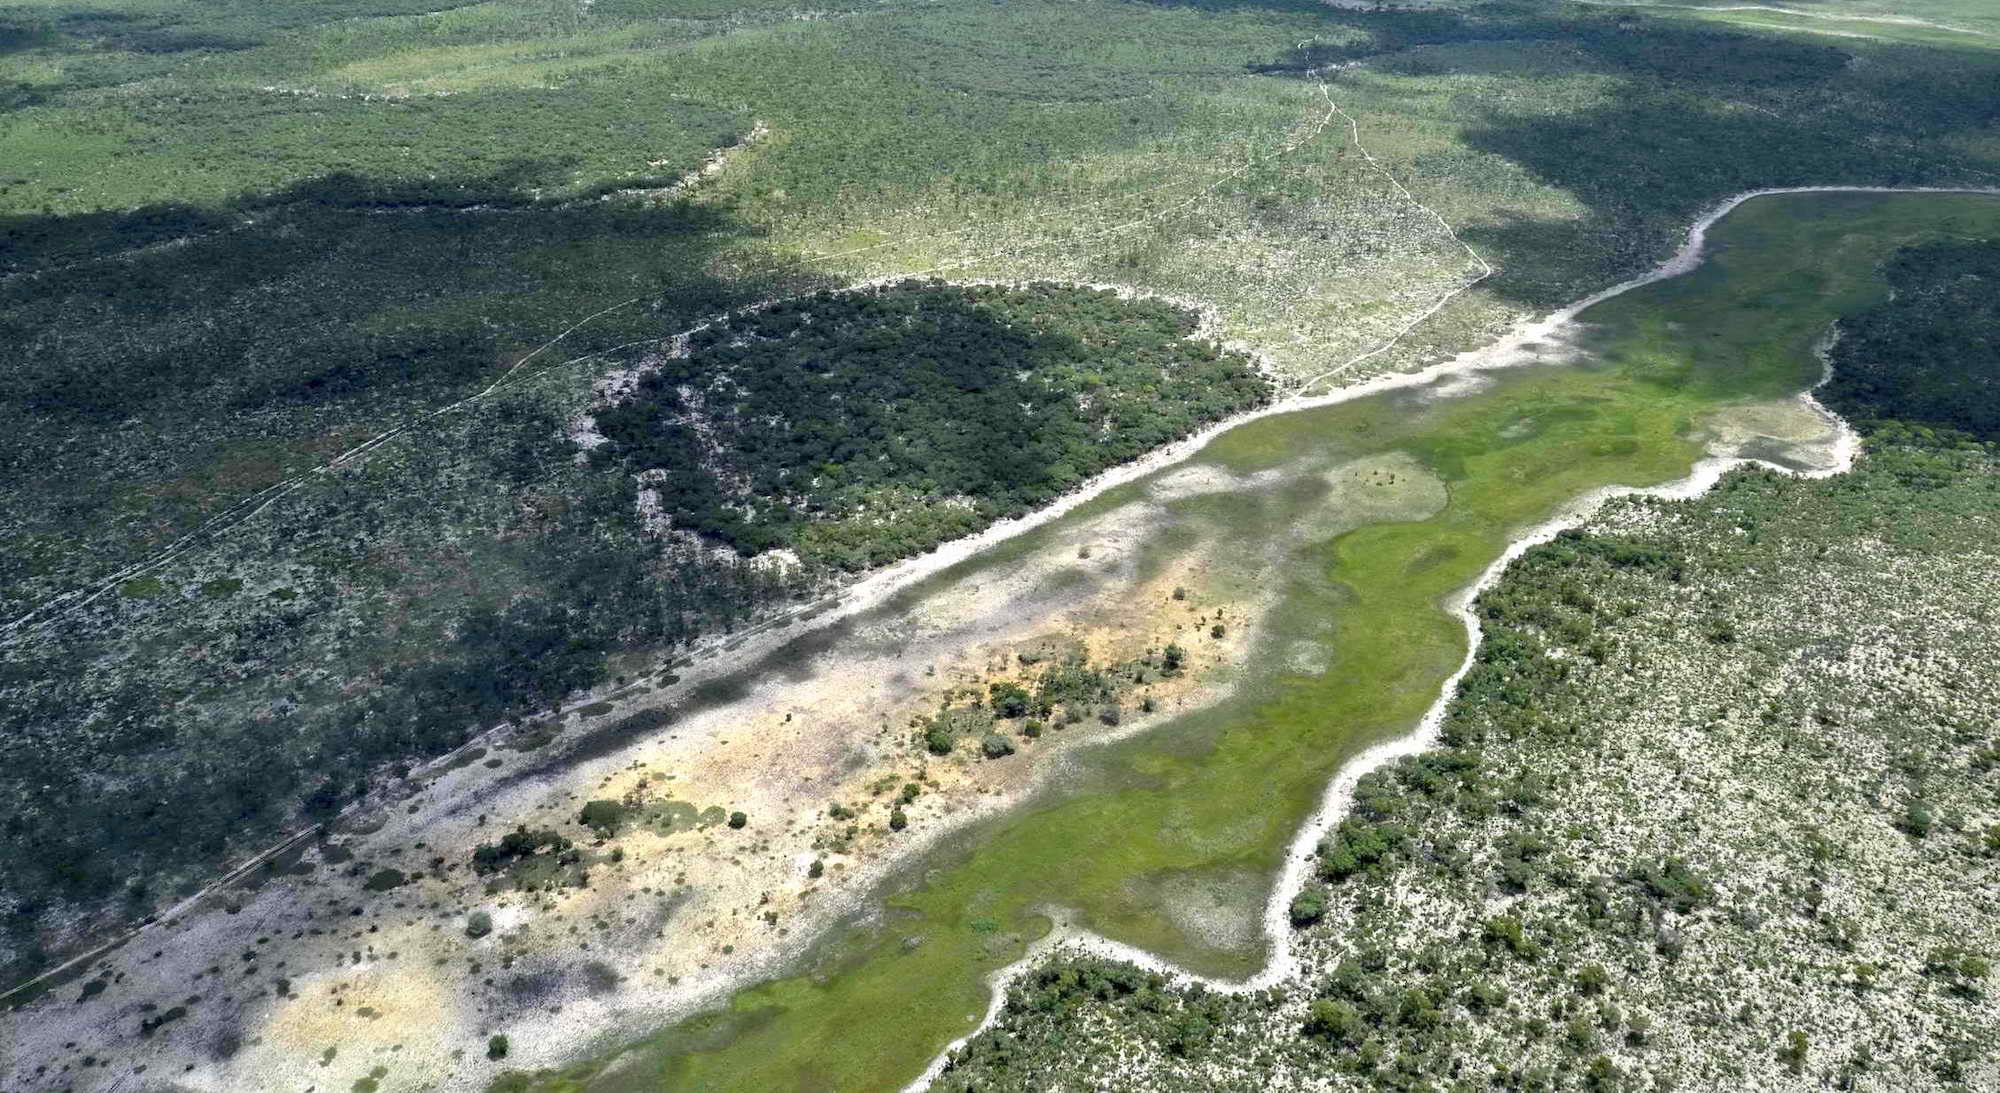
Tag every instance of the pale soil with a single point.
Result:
(682, 918)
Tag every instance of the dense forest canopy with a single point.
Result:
(796, 425)
(1931, 353)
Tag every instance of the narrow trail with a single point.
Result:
(1485, 267)
(1068, 939)
(66, 604)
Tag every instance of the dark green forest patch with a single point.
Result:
(941, 406)
(1931, 353)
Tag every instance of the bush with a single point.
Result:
(1335, 1022)
(1010, 700)
(1960, 972)
(996, 746)
(937, 739)
(898, 820)
(514, 846)
(738, 820)
(603, 817)
(496, 1048)
(478, 924)
(1308, 907)
(1357, 845)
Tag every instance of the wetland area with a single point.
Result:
(1307, 565)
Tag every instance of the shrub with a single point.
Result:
(1793, 1054)
(996, 746)
(817, 869)
(1357, 845)
(1592, 979)
(1506, 930)
(1918, 819)
(738, 820)
(478, 924)
(1335, 1022)
(496, 1048)
(898, 820)
(1958, 970)
(603, 817)
(1672, 883)
(1010, 700)
(515, 845)
(937, 739)
(1308, 907)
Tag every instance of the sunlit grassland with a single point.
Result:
(1217, 794)
(1896, 20)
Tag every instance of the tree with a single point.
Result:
(737, 820)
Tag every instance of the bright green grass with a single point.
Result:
(1218, 794)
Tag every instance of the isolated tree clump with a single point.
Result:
(943, 407)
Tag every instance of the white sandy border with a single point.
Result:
(1339, 794)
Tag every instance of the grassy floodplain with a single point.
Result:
(1210, 800)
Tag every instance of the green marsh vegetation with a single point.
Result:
(1712, 808)
(1142, 820)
